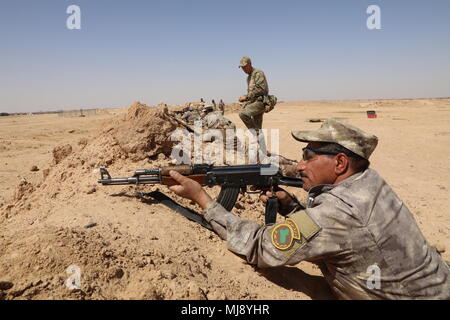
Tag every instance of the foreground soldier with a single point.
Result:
(364, 239)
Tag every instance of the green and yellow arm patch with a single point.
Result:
(287, 236)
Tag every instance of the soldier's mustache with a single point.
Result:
(303, 175)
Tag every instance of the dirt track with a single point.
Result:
(142, 249)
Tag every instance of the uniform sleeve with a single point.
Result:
(265, 246)
(334, 241)
(257, 87)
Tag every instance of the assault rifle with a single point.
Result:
(232, 179)
(179, 121)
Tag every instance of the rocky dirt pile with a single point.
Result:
(143, 134)
(111, 268)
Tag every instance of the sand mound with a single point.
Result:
(61, 152)
(42, 263)
(22, 189)
(142, 134)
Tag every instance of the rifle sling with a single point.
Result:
(188, 213)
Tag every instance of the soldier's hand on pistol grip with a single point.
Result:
(285, 200)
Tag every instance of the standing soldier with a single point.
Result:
(257, 91)
(221, 106)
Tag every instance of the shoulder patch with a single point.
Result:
(306, 225)
(296, 232)
(282, 236)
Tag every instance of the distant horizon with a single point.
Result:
(226, 102)
(217, 100)
(175, 51)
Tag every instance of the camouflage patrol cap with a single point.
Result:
(348, 136)
(244, 61)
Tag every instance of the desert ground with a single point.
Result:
(143, 250)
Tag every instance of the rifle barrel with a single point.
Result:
(131, 180)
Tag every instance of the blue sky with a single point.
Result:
(179, 51)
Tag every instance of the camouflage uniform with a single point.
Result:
(221, 107)
(347, 229)
(191, 116)
(215, 120)
(253, 112)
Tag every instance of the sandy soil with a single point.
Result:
(141, 249)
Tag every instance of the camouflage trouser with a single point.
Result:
(252, 115)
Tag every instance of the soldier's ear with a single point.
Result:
(342, 164)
